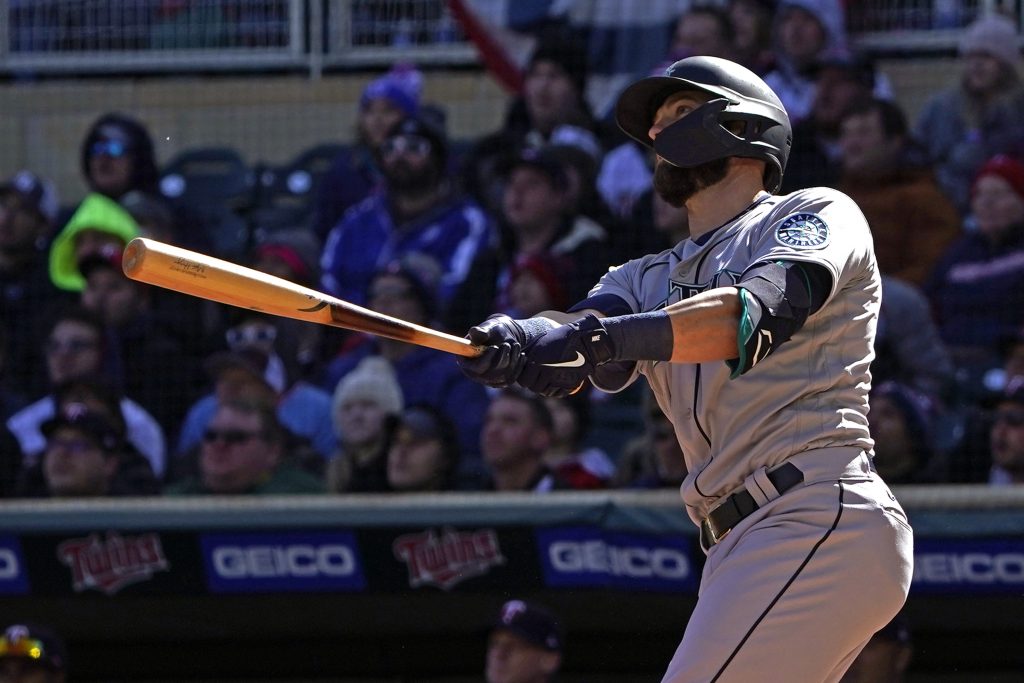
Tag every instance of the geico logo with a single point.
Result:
(969, 568)
(601, 558)
(9, 567)
(261, 561)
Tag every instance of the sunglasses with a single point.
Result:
(1011, 418)
(73, 446)
(231, 437)
(109, 148)
(247, 336)
(22, 647)
(407, 144)
(69, 346)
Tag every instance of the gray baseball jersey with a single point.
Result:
(812, 391)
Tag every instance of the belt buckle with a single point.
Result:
(709, 531)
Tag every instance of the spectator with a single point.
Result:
(967, 123)
(32, 653)
(912, 222)
(653, 459)
(245, 451)
(155, 368)
(977, 287)
(703, 30)
(28, 209)
(886, 656)
(538, 218)
(524, 645)
(1006, 436)
(554, 85)
(118, 160)
(98, 226)
(752, 26)
(355, 174)
(568, 456)
(654, 225)
(514, 441)
(86, 457)
(418, 211)
(534, 285)
(293, 255)
(815, 155)
(806, 32)
(404, 289)
(908, 348)
(424, 451)
(902, 425)
(364, 402)
(252, 364)
(74, 347)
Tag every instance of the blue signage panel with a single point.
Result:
(13, 577)
(592, 557)
(282, 562)
(968, 566)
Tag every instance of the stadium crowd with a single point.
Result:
(112, 387)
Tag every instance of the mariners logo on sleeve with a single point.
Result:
(802, 231)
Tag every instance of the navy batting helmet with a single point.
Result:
(703, 135)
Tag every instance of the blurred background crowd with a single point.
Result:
(111, 387)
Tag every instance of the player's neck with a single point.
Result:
(723, 201)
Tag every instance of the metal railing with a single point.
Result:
(133, 36)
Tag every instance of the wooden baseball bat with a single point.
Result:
(190, 272)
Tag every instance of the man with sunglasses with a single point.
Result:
(245, 450)
(418, 210)
(31, 653)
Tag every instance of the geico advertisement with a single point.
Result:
(13, 579)
(984, 566)
(588, 556)
(282, 562)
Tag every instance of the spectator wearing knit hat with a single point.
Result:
(977, 288)
(967, 123)
(99, 226)
(406, 289)
(364, 403)
(354, 175)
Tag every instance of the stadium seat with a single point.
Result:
(287, 193)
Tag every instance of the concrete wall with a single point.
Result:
(269, 118)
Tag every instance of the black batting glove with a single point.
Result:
(504, 338)
(561, 360)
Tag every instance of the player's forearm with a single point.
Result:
(705, 326)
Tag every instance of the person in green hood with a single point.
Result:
(98, 227)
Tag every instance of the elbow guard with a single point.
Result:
(776, 299)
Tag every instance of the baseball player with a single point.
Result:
(756, 334)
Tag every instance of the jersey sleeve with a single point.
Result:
(821, 226)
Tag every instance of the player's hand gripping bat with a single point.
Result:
(190, 272)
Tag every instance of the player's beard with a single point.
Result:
(676, 185)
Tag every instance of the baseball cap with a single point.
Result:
(531, 622)
(81, 417)
(541, 159)
(36, 643)
(1007, 168)
(36, 193)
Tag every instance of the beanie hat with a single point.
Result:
(549, 271)
(1007, 168)
(560, 47)
(96, 212)
(37, 193)
(297, 248)
(374, 380)
(994, 35)
(402, 87)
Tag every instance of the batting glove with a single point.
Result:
(504, 338)
(561, 360)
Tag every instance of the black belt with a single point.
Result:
(740, 504)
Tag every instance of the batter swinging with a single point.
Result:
(756, 335)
